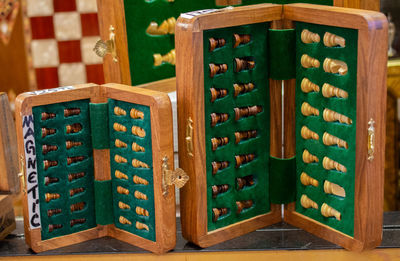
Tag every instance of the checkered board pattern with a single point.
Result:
(63, 34)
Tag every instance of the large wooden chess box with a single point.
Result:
(282, 104)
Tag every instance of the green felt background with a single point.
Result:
(347, 107)
(129, 170)
(98, 121)
(62, 170)
(257, 49)
(282, 61)
(103, 196)
(282, 180)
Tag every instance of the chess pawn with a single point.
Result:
(142, 211)
(240, 39)
(139, 180)
(335, 66)
(330, 116)
(49, 163)
(307, 180)
(331, 91)
(77, 221)
(140, 195)
(120, 144)
(124, 221)
(330, 140)
(308, 157)
(70, 144)
(76, 191)
(119, 127)
(122, 205)
(141, 226)
(218, 165)
(119, 111)
(308, 86)
(50, 180)
(217, 69)
(245, 135)
(120, 175)
(74, 176)
(217, 93)
(308, 110)
(77, 206)
(306, 202)
(46, 131)
(309, 37)
(309, 62)
(120, 159)
(51, 196)
(122, 190)
(218, 118)
(330, 164)
(46, 116)
(71, 160)
(331, 40)
(217, 212)
(74, 128)
(242, 64)
(306, 134)
(170, 58)
(71, 112)
(216, 43)
(245, 181)
(243, 88)
(217, 142)
(243, 159)
(242, 205)
(332, 188)
(138, 164)
(218, 189)
(137, 131)
(328, 211)
(137, 147)
(136, 114)
(52, 227)
(52, 212)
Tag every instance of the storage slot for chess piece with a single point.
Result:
(120, 144)
(124, 221)
(119, 127)
(217, 93)
(218, 189)
(306, 134)
(166, 27)
(335, 66)
(53, 227)
(136, 114)
(74, 176)
(239, 39)
(136, 147)
(122, 205)
(77, 221)
(217, 69)
(71, 112)
(120, 175)
(52, 212)
(243, 88)
(50, 180)
(330, 140)
(332, 40)
(169, 57)
(216, 43)
(77, 206)
(330, 164)
(307, 180)
(75, 191)
(331, 116)
(120, 159)
(141, 226)
(122, 190)
(308, 157)
(218, 142)
(308, 110)
(119, 111)
(46, 116)
(139, 164)
(218, 118)
(218, 165)
(309, 37)
(308, 86)
(218, 212)
(247, 111)
(328, 211)
(246, 181)
(243, 159)
(47, 131)
(332, 188)
(244, 135)
(73, 128)
(141, 211)
(242, 64)
(71, 160)
(70, 144)
(137, 131)
(140, 195)
(49, 163)
(329, 91)
(309, 62)
(244, 204)
(306, 202)
(51, 196)
(139, 180)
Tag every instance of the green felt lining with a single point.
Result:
(347, 107)
(99, 123)
(282, 61)
(104, 208)
(282, 180)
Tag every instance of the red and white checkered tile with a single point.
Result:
(63, 34)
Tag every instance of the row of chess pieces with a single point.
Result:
(218, 213)
(242, 112)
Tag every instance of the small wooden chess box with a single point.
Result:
(282, 104)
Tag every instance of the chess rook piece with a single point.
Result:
(122, 205)
(330, 164)
(119, 111)
(52, 227)
(306, 134)
(243, 88)
(244, 135)
(51, 196)
(218, 118)
(243, 205)
(307, 180)
(217, 93)
(120, 144)
(243, 159)
(140, 195)
(309, 62)
(74, 128)
(247, 111)
(141, 226)
(136, 114)
(120, 159)
(217, 212)
(309, 37)
(331, 116)
(71, 160)
(137, 147)
(330, 140)
(332, 188)
(138, 164)
(332, 40)
(71, 112)
(50, 180)
(52, 212)
(169, 57)
(75, 191)
(141, 211)
(139, 180)
(306, 202)
(49, 163)
(331, 91)
(240, 39)
(122, 190)
(46, 116)
(77, 206)
(166, 27)
(308, 157)
(120, 175)
(218, 189)
(308, 86)
(137, 131)
(124, 221)
(70, 144)
(328, 211)
(74, 176)
(217, 142)
(119, 127)
(245, 181)
(46, 132)
(335, 66)
(308, 110)
(77, 221)
(219, 165)
(217, 69)
(216, 43)
(242, 64)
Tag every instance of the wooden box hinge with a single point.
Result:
(177, 177)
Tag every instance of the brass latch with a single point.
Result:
(21, 174)
(371, 139)
(176, 177)
(189, 137)
(104, 47)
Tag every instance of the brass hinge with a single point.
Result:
(371, 139)
(189, 136)
(104, 47)
(177, 177)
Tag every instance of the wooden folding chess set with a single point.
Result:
(232, 66)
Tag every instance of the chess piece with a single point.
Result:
(139, 180)
(306, 202)
(330, 140)
(243, 159)
(119, 127)
(217, 93)
(75, 191)
(218, 189)
(308, 86)
(306, 134)
(219, 165)
(71, 112)
(137, 131)
(77, 206)
(309, 62)
(52, 227)
(217, 142)
(73, 128)
(166, 27)
(124, 221)
(309, 37)
(331, 91)
(51, 196)
(242, 64)
(307, 180)
(138, 164)
(52, 212)
(217, 69)
(122, 205)
(332, 40)
(142, 211)
(77, 221)
(169, 57)
(140, 195)
(308, 110)
(243, 205)
(120, 159)
(240, 39)
(141, 226)
(245, 181)
(46, 132)
(49, 163)
(335, 66)
(243, 88)
(308, 157)
(136, 114)
(245, 135)
(120, 175)
(70, 144)
(74, 176)
(71, 160)
(331, 116)
(137, 147)
(247, 111)
(216, 43)
(332, 188)
(218, 118)
(217, 212)
(50, 180)
(330, 164)
(328, 211)
(119, 111)
(46, 116)
(122, 190)
(120, 144)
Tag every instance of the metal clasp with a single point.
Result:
(21, 174)
(104, 47)
(371, 139)
(176, 177)
(189, 136)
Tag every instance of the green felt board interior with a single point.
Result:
(282, 179)
(62, 170)
(104, 208)
(130, 171)
(98, 120)
(257, 49)
(317, 124)
(282, 61)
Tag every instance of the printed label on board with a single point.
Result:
(31, 172)
(59, 89)
(190, 15)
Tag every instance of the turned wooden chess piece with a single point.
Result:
(217, 142)
(166, 27)
(328, 211)
(218, 165)
(122, 190)
(76, 191)
(244, 135)
(142, 211)
(120, 175)
(306, 134)
(70, 144)
(335, 66)
(242, 64)
(330, 116)
(49, 163)
(138, 164)
(71, 160)
(218, 118)
(119, 111)
(74, 176)
(122, 205)
(137, 147)
(217, 69)
(218, 189)
(332, 91)
(50, 180)
(243, 205)
(330, 164)
(120, 144)
(52, 227)
(77, 221)
(137, 131)
(243, 88)
(140, 195)
(124, 221)
(141, 226)
(332, 40)
(332, 188)
(330, 140)
(216, 43)
(240, 39)
(74, 128)
(243, 159)
(309, 37)
(247, 111)
(169, 57)
(46, 132)
(51, 196)
(306, 202)
(71, 112)
(245, 181)
(46, 116)
(217, 212)
(77, 206)
(307, 180)
(309, 62)
(308, 110)
(308, 157)
(52, 212)
(308, 86)
(139, 180)
(217, 93)
(119, 127)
